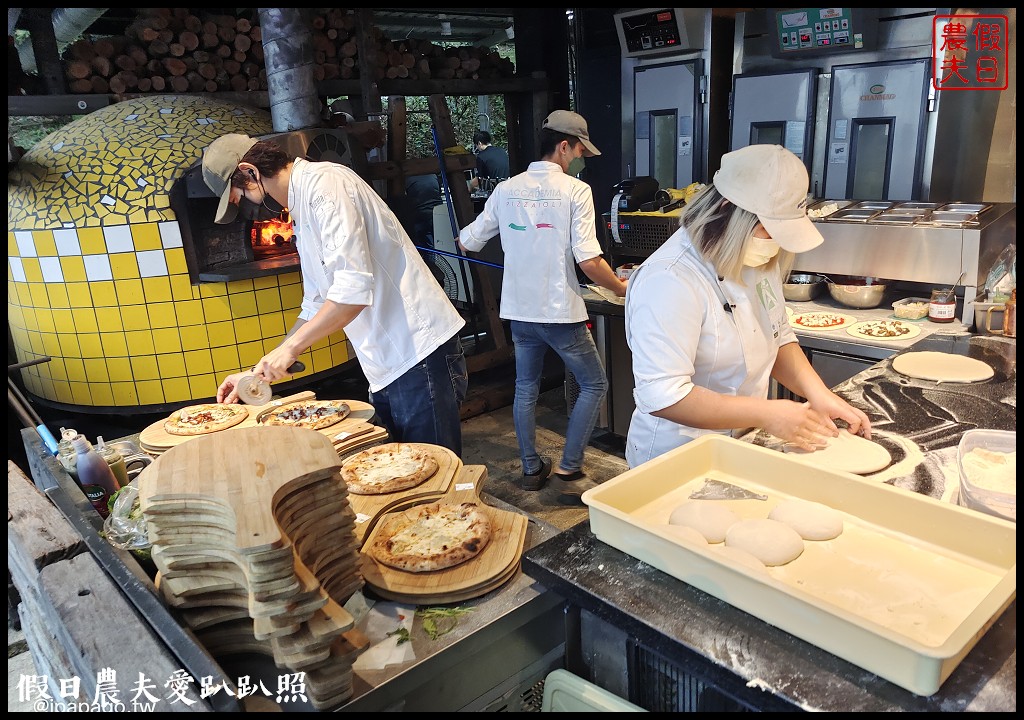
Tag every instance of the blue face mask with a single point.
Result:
(576, 166)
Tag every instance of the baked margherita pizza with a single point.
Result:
(203, 419)
(388, 468)
(884, 330)
(312, 414)
(821, 320)
(431, 537)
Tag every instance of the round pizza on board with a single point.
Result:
(205, 418)
(821, 320)
(388, 468)
(884, 330)
(431, 537)
(312, 414)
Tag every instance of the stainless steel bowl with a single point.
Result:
(858, 292)
(801, 287)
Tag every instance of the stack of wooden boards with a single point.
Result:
(253, 539)
(351, 434)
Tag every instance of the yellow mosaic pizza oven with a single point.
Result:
(115, 271)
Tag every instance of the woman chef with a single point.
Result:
(706, 321)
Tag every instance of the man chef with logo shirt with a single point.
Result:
(706, 320)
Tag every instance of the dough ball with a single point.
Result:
(686, 534)
(770, 541)
(741, 556)
(812, 520)
(706, 517)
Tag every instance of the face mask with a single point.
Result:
(576, 166)
(269, 209)
(760, 251)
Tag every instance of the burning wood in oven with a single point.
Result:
(271, 238)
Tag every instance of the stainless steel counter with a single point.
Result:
(514, 635)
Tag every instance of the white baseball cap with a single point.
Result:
(771, 182)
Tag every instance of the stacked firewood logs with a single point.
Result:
(172, 50)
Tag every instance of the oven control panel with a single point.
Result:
(804, 32)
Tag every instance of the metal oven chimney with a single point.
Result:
(288, 54)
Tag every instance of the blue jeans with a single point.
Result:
(575, 345)
(422, 405)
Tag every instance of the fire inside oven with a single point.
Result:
(272, 238)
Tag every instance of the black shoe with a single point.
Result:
(571, 477)
(535, 481)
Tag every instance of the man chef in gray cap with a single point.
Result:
(360, 273)
(547, 224)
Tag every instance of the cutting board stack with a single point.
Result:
(352, 434)
(253, 537)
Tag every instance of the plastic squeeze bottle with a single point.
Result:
(94, 475)
(114, 459)
(66, 451)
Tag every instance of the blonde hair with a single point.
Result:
(721, 231)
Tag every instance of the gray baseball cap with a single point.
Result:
(570, 123)
(219, 163)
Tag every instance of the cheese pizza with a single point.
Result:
(203, 419)
(884, 330)
(388, 468)
(821, 321)
(312, 414)
(431, 537)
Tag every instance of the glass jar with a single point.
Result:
(942, 307)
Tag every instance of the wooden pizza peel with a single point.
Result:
(496, 564)
(370, 508)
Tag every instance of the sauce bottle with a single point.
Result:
(66, 452)
(114, 459)
(94, 475)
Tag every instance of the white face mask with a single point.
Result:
(760, 251)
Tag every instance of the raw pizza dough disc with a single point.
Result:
(770, 541)
(849, 453)
(706, 517)
(817, 317)
(812, 520)
(871, 329)
(942, 367)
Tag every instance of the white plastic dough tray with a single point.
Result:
(904, 592)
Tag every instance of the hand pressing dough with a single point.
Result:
(741, 556)
(687, 534)
(812, 520)
(706, 517)
(849, 453)
(770, 541)
(942, 367)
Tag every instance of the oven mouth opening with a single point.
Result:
(272, 238)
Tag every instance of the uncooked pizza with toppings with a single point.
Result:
(312, 414)
(203, 419)
(884, 330)
(821, 320)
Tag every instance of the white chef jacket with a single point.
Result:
(681, 335)
(353, 250)
(546, 221)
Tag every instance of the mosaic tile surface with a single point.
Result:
(96, 274)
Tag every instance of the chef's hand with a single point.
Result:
(800, 425)
(833, 406)
(274, 365)
(228, 390)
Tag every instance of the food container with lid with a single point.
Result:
(624, 271)
(912, 308)
(987, 460)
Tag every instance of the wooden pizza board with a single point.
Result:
(155, 440)
(497, 563)
(370, 508)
